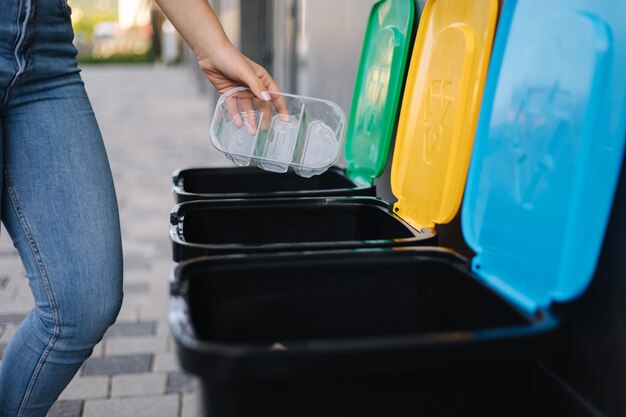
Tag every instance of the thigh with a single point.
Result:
(58, 202)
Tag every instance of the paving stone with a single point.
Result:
(163, 328)
(158, 312)
(8, 296)
(134, 262)
(192, 404)
(24, 299)
(165, 406)
(165, 362)
(137, 385)
(136, 288)
(148, 300)
(113, 365)
(8, 333)
(81, 388)
(7, 253)
(11, 318)
(136, 344)
(98, 350)
(14, 308)
(13, 269)
(132, 329)
(160, 291)
(65, 409)
(180, 382)
(129, 313)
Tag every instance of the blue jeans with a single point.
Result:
(57, 203)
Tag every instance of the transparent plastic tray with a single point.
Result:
(289, 131)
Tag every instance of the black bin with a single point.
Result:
(365, 333)
(218, 227)
(251, 182)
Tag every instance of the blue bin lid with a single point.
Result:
(548, 149)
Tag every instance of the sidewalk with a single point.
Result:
(153, 121)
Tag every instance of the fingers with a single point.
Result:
(233, 110)
(277, 100)
(263, 86)
(266, 111)
(242, 107)
(281, 107)
(266, 79)
(249, 114)
(249, 76)
(232, 71)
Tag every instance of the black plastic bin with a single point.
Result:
(354, 333)
(218, 227)
(251, 182)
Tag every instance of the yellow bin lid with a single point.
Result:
(440, 109)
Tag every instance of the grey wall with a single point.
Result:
(328, 45)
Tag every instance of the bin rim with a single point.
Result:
(183, 195)
(179, 211)
(541, 322)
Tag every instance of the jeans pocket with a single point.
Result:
(67, 10)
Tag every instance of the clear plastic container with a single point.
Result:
(290, 131)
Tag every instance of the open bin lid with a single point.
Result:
(548, 149)
(379, 81)
(440, 109)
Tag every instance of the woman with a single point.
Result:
(58, 201)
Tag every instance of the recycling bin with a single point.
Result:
(429, 167)
(250, 182)
(219, 227)
(425, 331)
(368, 333)
(375, 105)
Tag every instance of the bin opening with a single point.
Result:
(256, 224)
(289, 304)
(240, 181)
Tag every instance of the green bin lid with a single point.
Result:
(378, 87)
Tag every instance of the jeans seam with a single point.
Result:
(48, 287)
(19, 39)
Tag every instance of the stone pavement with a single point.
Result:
(153, 120)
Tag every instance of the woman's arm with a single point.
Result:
(221, 62)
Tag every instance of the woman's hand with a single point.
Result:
(221, 62)
(225, 67)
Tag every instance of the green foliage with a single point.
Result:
(117, 59)
(84, 26)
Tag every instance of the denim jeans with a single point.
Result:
(58, 205)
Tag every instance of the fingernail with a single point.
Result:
(265, 96)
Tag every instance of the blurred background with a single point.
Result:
(110, 31)
(311, 47)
